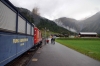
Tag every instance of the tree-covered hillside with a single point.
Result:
(43, 23)
(48, 24)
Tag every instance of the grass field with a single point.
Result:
(89, 46)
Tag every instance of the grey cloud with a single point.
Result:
(53, 9)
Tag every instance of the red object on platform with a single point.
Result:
(47, 41)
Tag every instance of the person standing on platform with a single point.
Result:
(53, 39)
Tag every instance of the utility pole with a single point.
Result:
(45, 34)
(48, 33)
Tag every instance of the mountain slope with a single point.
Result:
(92, 24)
(68, 23)
(29, 15)
(41, 22)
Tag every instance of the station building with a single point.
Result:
(87, 34)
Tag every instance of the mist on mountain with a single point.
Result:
(90, 24)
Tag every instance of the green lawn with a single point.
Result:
(88, 47)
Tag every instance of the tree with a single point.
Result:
(36, 11)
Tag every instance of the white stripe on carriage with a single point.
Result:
(7, 58)
(11, 56)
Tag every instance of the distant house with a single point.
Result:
(87, 34)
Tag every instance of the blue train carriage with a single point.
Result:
(16, 33)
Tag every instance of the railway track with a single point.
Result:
(23, 59)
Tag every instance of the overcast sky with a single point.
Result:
(53, 9)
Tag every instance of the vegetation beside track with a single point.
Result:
(87, 46)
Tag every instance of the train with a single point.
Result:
(37, 37)
(17, 34)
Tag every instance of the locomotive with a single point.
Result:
(17, 34)
(37, 37)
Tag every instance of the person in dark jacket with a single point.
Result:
(53, 39)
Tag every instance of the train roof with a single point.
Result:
(93, 33)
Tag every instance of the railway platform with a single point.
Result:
(59, 55)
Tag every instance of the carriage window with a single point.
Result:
(7, 18)
(28, 28)
(21, 25)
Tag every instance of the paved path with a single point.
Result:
(59, 55)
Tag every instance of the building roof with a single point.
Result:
(88, 33)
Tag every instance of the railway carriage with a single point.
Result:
(16, 33)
